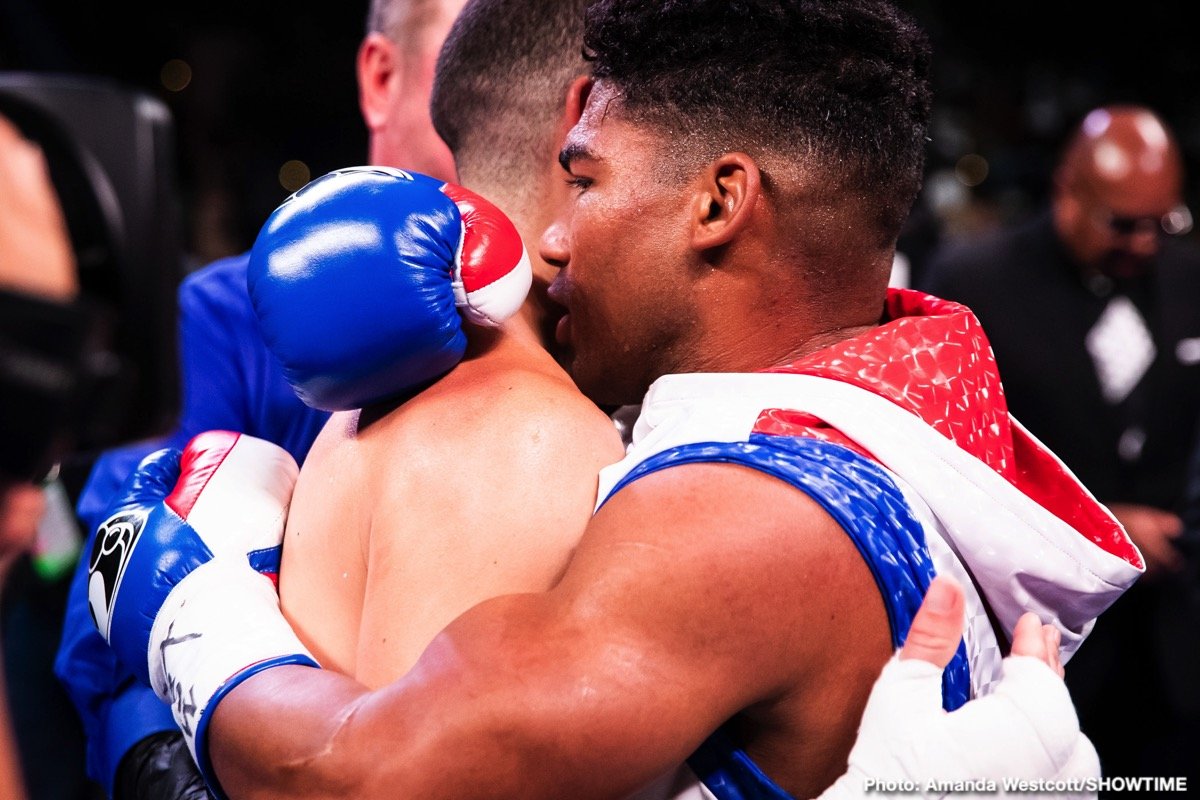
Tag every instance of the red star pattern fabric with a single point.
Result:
(931, 357)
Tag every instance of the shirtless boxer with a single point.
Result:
(411, 511)
(692, 604)
(231, 381)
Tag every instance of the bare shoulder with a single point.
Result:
(547, 415)
(333, 473)
(759, 528)
(537, 394)
(505, 412)
(502, 446)
(487, 481)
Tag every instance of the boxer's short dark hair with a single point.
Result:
(401, 20)
(841, 84)
(501, 82)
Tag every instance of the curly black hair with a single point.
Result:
(841, 85)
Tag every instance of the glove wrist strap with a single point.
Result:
(219, 626)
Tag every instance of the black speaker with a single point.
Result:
(111, 152)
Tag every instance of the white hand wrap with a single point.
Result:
(1026, 729)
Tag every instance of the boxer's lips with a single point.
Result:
(559, 294)
(562, 330)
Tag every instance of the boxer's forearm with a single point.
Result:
(309, 734)
(292, 732)
(305, 734)
(495, 708)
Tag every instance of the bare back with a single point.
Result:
(477, 487)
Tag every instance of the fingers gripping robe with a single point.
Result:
(937, 627)
(356, 279)
(181, 576)
(1025, 730)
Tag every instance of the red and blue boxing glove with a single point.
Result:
(182, 573)
(361, 280)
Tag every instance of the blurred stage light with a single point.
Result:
(175, 75)
(971, 169)
(294, 174)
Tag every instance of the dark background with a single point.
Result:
(269, 83)
(273, 83)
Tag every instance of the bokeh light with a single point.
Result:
(294, 174)
(175, 75)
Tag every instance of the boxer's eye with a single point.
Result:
(579, 182)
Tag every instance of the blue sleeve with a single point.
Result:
(230, 382)
(117, 710)
(216, 328)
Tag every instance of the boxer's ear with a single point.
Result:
(380, 73)
(577, 95)
(726, 197)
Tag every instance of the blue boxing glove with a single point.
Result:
(359, 279)
(181, 577)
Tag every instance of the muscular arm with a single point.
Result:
(696, 593)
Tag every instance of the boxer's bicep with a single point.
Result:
(695, 593)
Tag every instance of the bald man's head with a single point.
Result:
(1119, 189)
(395, 78)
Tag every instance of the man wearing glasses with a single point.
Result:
(1093, 311)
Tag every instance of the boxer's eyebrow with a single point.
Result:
(572, 152)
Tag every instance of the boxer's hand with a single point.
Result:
(356, 277)
(181, 575)
(1025, 729)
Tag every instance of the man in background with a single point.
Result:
(1091, 312)
(231, 381)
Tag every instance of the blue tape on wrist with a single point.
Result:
(203, 761)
